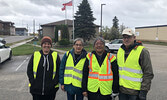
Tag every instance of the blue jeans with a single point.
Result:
(72, 96)
(123, 96)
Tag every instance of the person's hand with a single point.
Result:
(62, 87)
(113, 95)
(85, 94)
(142, 95)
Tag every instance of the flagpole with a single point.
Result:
(65, 16)
(73, 17)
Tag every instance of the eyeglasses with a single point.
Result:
(127, 37)
(78, 45)
(99, 44)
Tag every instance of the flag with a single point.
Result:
(64, 8)
(68, 3)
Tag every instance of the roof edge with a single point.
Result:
(151, 26)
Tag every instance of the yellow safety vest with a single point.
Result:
(36, 59)
(73, 74)
(130, 71)
(100, 77)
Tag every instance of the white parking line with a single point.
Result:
(21, 64)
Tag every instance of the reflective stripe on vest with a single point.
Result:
(130, 71)
(73, 74)
(100, 77)
(36, 60)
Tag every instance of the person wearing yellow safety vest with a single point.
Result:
(135, 68)
(70, 74)
(100, 74)
(43, 72)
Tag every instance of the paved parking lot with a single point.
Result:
(14, 82)
(11, 39)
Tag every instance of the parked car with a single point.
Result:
(113, 45)
(5, 52)
(2, 40)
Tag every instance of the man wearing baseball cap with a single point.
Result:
(43, 72)
(135, 68)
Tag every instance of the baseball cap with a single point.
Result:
(128, 31)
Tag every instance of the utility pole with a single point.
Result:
(101, 20)
(73, 19)
(34, 28)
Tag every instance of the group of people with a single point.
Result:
(98, 75)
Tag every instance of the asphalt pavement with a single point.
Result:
(14, 81)
(11, 39)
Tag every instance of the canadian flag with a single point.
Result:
(68, 3)
(64, 8)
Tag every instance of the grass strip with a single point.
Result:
(25, 49)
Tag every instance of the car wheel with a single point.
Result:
(10, 56)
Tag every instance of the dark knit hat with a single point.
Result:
(46, 39)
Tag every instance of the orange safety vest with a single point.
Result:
(100, 77)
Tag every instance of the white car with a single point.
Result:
(113, 45)
(5, 52)
(2, 40)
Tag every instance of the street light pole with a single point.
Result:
(101, 20)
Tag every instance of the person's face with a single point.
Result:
(128, 40)
(46, 47)
(99, 47)
(78, 46)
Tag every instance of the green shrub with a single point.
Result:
(64, 42)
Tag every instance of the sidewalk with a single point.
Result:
(18, 44)
(60, 51)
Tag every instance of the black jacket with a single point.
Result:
(115, 87)
(43, 84)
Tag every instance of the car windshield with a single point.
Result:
(117, 41)
(1, 39)
(1, 44)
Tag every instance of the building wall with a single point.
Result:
(1, 28)
(48, 31)
(12, 31)
(6, 29)
(146, 33)
(152, 33)
(162, 33)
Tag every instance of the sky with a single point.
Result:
(130, 13)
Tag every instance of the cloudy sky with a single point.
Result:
(131, 13)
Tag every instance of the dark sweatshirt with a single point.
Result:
(43, 84)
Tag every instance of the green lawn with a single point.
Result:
(28, 49)
(156, 43)
(88, 48)
(25, 49)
